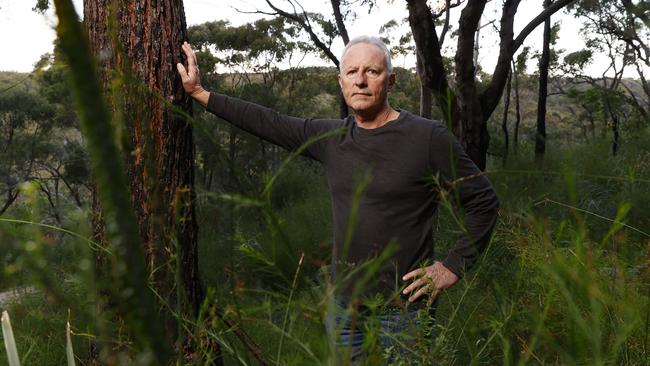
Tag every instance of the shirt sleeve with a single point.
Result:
(475, 194)
(285, 131)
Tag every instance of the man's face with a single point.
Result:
(364, 79)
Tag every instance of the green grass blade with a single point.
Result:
(69, 353)
(10, 342)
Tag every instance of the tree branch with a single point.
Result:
(304, 23)
(336, 8)
(539, 19)
(445, 27)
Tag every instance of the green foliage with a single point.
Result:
(401, 46)
(521, 60)
(578, 60)
(257, 46)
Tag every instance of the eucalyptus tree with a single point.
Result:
(619, 31)
(25, 129)
(542, 94)
(466, 107)
(138, 44)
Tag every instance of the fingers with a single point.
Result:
(434, 279)
(416, 273)
(417, 283)
(423, 290)
(191, 56)
(429, 286)
(426, 283)
(425, 280)
(182, 72)
(432, 297)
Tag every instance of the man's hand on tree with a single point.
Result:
(432, 279)
(190, 77)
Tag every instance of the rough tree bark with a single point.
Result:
(544, 61)
(139, 41)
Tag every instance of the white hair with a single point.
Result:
(375, 41)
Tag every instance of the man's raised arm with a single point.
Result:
(285, 131)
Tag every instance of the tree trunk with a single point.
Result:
(425, 92)
(96, 15)
(432, 73)
(474, 136)
(158, 143)
(544, 61)
(517, 107)
(615, 122)
(615, 135)
(343, 106)
(340, 24)
(504, 121)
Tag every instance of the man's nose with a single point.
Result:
(360, 78)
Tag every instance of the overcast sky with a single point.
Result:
(26, 35)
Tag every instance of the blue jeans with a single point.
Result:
(386, 337)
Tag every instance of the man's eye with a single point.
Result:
(372, 72)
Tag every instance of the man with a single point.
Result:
(394, 158)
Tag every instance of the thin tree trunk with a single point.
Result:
(504, 121)
(615, 135)
(477, 39)
(517, 107)
(425, 93)
(340, 24)
(343, 106)
(544, 61)
(615, 125)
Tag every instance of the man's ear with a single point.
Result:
(391, 81)
(338, 77)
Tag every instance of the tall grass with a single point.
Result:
(564, 280)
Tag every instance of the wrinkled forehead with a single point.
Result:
(365, 53)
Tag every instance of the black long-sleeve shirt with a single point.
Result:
(382, 187)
